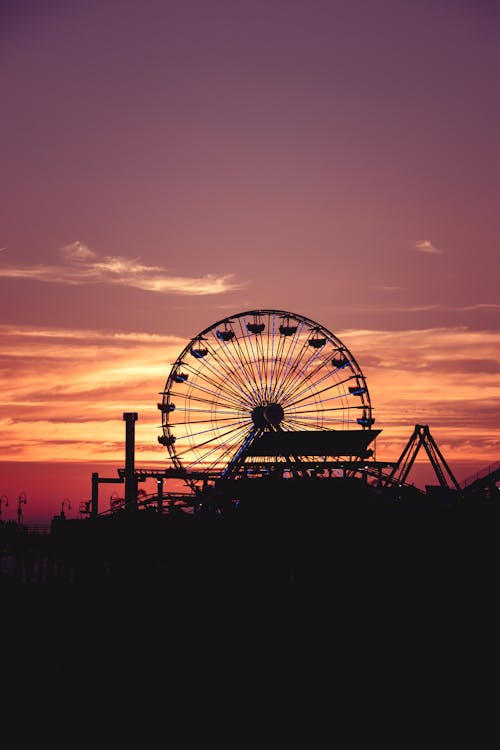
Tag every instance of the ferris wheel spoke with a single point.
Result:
(286, 359)
(318, 421)
(237, 395)
(256, 346)
(266, 356)
(317, 406)
(244, 365)
(227, 376)
(292, 425)
(306, 421)
(278, 342)
(213, 420)
(232, 377)
(260, 361)
(197, 386)
(328, 408)
(233, 372)
(205, 400)
(282, 365)
(215, 432)
(206, 378)
(275, 360)
(198, 446)
(272, 359)
(298, 373)
(191, 435)
(293, 370)
(310, 385)
(311, 379)
(246, 338)
(239, 365)
(220, 451)
(193, 407)
(243, 368)
(249, 369)
(291, 404)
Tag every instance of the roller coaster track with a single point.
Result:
(487, 477)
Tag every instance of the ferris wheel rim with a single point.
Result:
(311, 326)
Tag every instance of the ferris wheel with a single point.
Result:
(254, 378)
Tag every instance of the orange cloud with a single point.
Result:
(446, 378)
(64, 391)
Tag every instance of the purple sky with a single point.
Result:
(165, 164)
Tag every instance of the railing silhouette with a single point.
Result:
(482, 474)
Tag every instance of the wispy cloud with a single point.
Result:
(478, 306)
(387, 288)
(426, 246)
(81, 265)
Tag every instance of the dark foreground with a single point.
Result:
(350, 595)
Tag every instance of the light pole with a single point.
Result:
(159, 484)
(65, 502)
(20, 501)
(3, 499)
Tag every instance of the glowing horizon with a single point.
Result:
(87, 379)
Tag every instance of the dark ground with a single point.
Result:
(364, 600)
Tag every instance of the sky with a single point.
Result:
(165, 165)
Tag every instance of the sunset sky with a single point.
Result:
(164, 165)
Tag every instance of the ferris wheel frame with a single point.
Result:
(256, 377)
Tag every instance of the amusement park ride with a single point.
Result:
(263, 393)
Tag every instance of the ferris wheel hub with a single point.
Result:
(268, 415)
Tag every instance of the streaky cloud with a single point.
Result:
(478, 306)
(85, 334)
(81, 265)
(446, 377)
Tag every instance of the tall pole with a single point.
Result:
(94, 505)
(130, 419)
(159, 484)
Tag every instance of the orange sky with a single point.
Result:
(64, 393)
